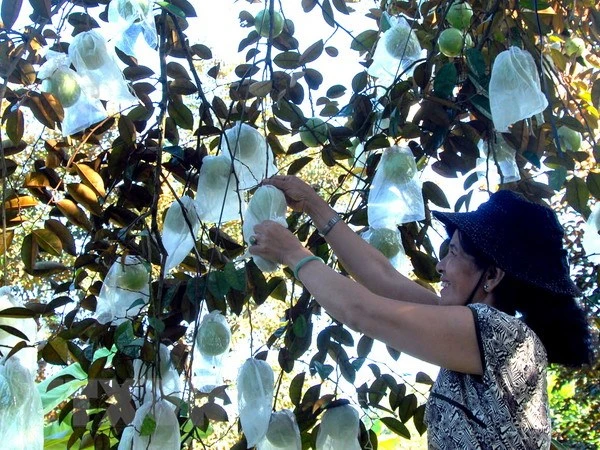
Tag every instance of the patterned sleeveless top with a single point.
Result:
(506, 407)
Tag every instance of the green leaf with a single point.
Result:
(336, 91)
(476, 62)
(435, 194)
(181, 114)
(407, 407)
(17, 312)
(531, 4)
(593, 184)
(396, 426)
(556, 178)
(596, 93)
(419, 420)
(365, 41)
(235, 277)
(10, 12)
(296, 388)
(287, 60)
(48, 241)
(423, 378)
(578, 195)
(15, 123)
(327, 12)
(445, 80)
(377, 141)
(41, 8)
(298, 165)
(365, 344)
(56, 351)
(14, 332)
(312, 53)
(148, 425)
(261, 88)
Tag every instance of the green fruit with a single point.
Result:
(281, 431)
(92, 52)
(451, 42)
(569, 139)
(402, 41)
(133, 8)
(459, 15)
(574, 46)
(64, 86)
(213, 338)
(399, 167)
(314, 132)
(262, 23)
(133, 277)
(387, 241)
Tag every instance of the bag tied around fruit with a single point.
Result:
(339, 429)
(514, 91)
(283, 433)
(217, 194)
(180, 230)
(133, 23)
(395, 196)
(591, 235)
(267, 203)
(255, 386)
(160, 381)
(154, 427)
(212, 343)
(497, 161)
(389, 242)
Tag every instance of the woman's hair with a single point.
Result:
(556, 319)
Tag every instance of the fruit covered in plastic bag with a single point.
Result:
(21, 412)
(389, 242)
(283, 433)
(398, 48)
(395, 196)
(133, 21)
(267, 203)
(80, 110)
(27, 326)
(154, 427)
(497, 161)
(591, 235)
(126, 283)
(98, 69)
(157, 381)
(255, 384)
(180, 229)
(339, 429)
(217, 197)
(514, 90)
(212, 343)
(252, 157)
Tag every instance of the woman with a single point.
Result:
(505, 258)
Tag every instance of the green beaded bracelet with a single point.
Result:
(300, 264)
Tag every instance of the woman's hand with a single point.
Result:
(276, 243)
(299, 195)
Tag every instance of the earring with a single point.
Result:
(486, 287)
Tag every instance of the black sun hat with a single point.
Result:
(522, 238)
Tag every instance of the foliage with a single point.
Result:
(74, 205)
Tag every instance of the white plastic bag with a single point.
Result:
(133, 21)
(80, 110)
(495, 154)
(212, 343)
(591, 235)
(267, 203)
(255, 384)
(21, 412)
(339, 429)
(166, 434)
(98, 69)
(27, 356)
(156, 383)
(398, 48)
(395, 196)
(252, 157)
(127, 282)
(216, 196)
(514, 90)
(389, 242)
(283, 433)
(178, 236)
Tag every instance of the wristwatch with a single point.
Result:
(329, 225)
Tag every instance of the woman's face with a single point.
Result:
(459, 274)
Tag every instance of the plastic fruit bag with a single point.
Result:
(27, 356)
(216, 196)
(127, 282)
(212, 343)
(133, 20)
(21, 412)
(389, 242)
(495, 154)
(154, 427)
(267, 203)
(99, 71)
(395, 196)
(514, 91)
(178, 236)
(253, 159)
(150, 381)
(591, 235)
(80, 110)
(339, 429)
(283, 433)
(398, 48)
(255, 384)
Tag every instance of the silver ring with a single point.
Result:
(252, 240)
